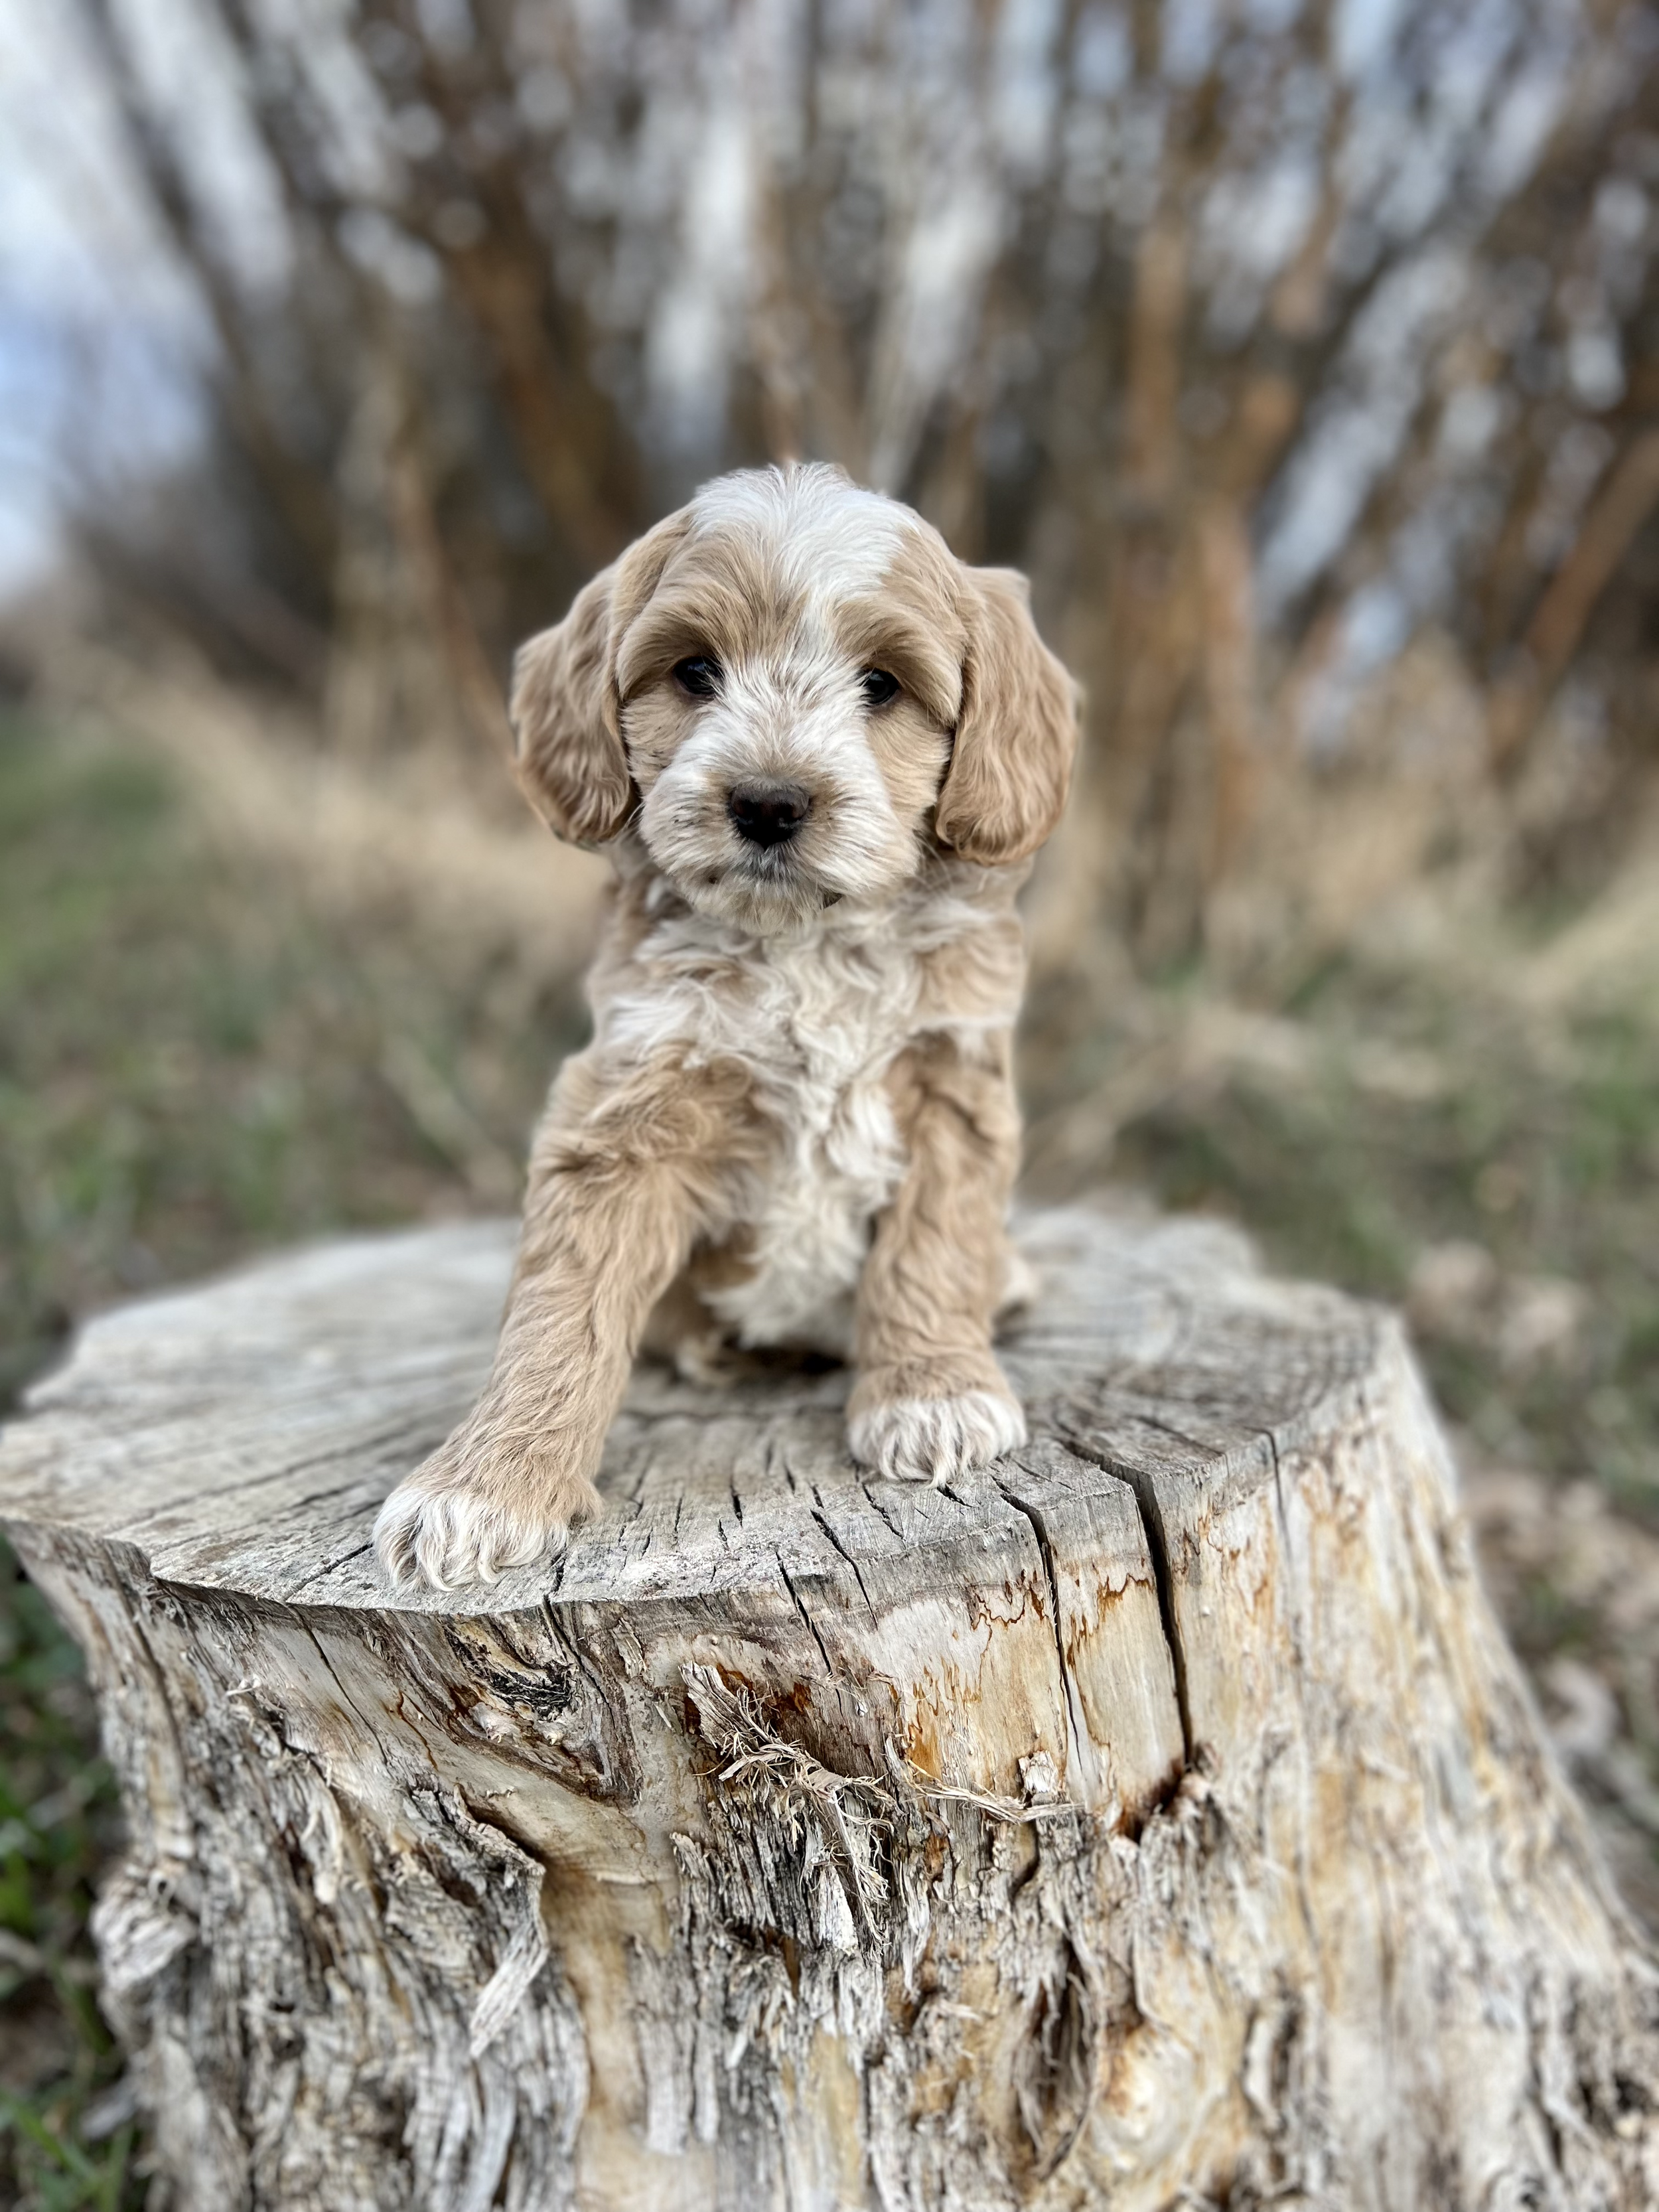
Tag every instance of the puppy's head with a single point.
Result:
(790, 688)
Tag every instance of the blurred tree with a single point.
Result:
(1261, 332)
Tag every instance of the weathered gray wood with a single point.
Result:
(1156, 1818)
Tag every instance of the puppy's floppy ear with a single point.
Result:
(1017, 734)
(566, 709)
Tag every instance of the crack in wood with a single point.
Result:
(830, 1668)
(1078, 1740)
(1140, 1484)
(331, 1567)
(880, 1510)
(822, 1518)
(1158, 1549)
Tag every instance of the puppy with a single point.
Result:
(821, 752)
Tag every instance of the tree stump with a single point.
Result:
(1156, 1819)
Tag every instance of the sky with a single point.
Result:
(98, 332)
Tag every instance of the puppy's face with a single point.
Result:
(790, 690)
(788, 700)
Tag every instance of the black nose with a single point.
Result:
(769, 813)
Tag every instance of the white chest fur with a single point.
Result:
(817, 1023)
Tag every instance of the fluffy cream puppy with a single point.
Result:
(821, 752)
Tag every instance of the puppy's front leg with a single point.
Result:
(623, 1175)
(931, 1400)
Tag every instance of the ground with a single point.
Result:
(200, 1057)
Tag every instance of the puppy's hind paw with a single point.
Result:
(451, 1528)
(934, 1439)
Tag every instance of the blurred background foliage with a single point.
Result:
(1306, 354)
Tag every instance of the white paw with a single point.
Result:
(451, 1533)
(932, 1439)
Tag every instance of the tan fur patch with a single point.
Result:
(913, 625)
(1017, 739)
(566, 709)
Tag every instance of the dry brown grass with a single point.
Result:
(442, 833)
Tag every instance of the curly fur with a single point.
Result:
(796, 1122)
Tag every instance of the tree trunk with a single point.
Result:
(1156, 1819)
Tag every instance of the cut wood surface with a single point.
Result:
(1158, 1818)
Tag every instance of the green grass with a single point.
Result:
(56, 1824)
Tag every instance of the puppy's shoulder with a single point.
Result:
(970, 954)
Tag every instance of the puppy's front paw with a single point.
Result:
(474, 1509)
(912, 1439)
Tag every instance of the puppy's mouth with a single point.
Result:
(773, 888)
(767, 854)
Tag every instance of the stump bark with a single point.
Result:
(1156, 1819)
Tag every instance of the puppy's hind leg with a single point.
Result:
(1020, 1282)
(684, 1335)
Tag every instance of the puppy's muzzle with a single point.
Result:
(769, 813)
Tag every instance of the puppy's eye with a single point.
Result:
(879, 689)
(699, 676)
